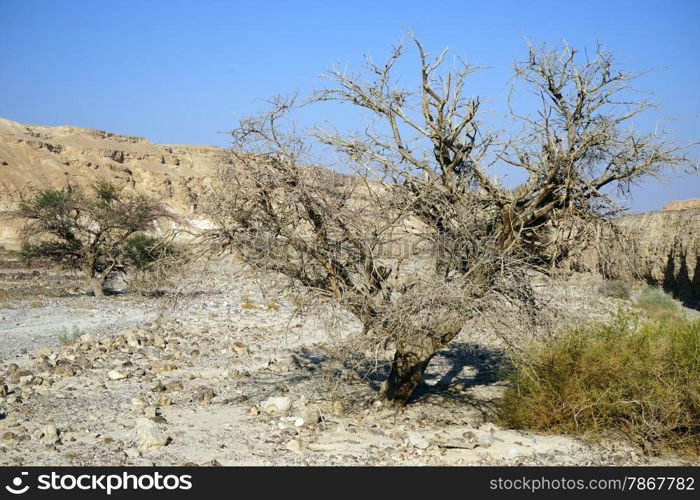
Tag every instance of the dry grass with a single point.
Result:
(616, 289)
(634, 375)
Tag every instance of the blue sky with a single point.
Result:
(184, 71)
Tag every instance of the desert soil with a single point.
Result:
(230, 375)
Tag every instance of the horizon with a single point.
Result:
(182, 72)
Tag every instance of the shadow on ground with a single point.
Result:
(451, 373)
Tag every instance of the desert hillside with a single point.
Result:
(661, 248)
(36, 156)
(664, 247)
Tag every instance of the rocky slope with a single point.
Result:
(34, 157)
(689, 204)
(661, 248)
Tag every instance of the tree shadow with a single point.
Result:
(467, 363)
(487, 363)
(677, 280)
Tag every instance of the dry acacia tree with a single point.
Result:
(422, 238)
(101, 234)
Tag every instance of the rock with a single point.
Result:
(240, 348)
(204, 394)
(295, 421)
(132, 453)
(132, 339)
(148, 434)
(115, 375)
(418, 441)
(65, 370)
(9, 437)
(279, 404)
(173, 386)
(513, 452)
(4, 391)
(293, 445)
(158, 387)
(150, 411)
(46, 433)
(164, 401)
(87, 339)
(660, 248)
(472, 439)
(165, 366)
(137, 404)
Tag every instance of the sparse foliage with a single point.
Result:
(102, 234)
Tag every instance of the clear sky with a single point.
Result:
(183, 71)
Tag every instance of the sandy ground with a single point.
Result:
(229, 375)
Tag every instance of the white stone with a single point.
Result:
(148, 434)
(50, 433)
(418, 441)
(115, 375)
(277, 404)
(513, 452)
(294, 445)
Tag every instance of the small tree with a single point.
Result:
(102, 234)
(422, 177)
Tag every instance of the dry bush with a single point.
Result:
(640, 377)
(616, 289)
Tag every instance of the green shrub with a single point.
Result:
(142, 250)
(656, 301)
(637, 376)
(66, 337)
(616, 289)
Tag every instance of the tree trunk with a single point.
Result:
(96, 286)
(412, 358)
(95, 283)
(406, 373)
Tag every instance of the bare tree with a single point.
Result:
(422, 177)
(580, 148)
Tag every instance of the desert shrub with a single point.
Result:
(67, 337)
(616, 289)
(103, 233)
(655, 301)
(637, 376)
(143, 250)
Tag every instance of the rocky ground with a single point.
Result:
(230, 375)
